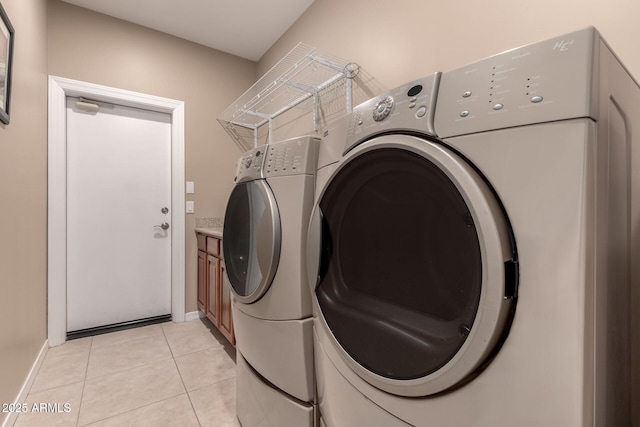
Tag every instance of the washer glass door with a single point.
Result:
(252, 238)
(413, 262)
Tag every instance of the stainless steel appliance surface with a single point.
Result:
(265, 228)
(470, 249)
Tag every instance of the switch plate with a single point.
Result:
(190, 187)
(191, 206)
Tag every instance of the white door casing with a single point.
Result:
(59, 89)
(118, 182)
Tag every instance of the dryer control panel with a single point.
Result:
(294, 156)
(407, 107)
(546, 81)
(249, 166)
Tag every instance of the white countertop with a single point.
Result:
(210, 231)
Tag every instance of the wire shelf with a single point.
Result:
(303, 80)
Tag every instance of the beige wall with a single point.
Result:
(398, 41)
(95, 48)
(56, 38)
(23, 201)
(393, 41)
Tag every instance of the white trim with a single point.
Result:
(26, 387)
(193, 315)
(59, 89)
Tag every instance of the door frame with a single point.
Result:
(59, 89)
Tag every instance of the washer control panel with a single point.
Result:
(407, 107)
(292, 157)
(249, 166)
(383, 108)
(544, 81)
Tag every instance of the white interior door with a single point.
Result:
(118, 182)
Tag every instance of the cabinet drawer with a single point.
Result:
(213, 246)
(202, 242)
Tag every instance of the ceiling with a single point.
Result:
(245, 28)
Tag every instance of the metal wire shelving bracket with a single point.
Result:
(300, 76)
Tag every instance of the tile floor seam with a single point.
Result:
(101, 346)
(193, 352)
(182, 379)
(194, 409)
(50, 388)
(137, 407)
(210, 384)
(180, 374)
(174, 331)
(40, 368)
(133, 409)
(125, 370)
(128, 369)
(84, 383)
(164, 334)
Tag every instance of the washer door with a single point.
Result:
(416, 273)
(252, 239)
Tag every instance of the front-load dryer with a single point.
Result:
(265, 234)
(471, 263)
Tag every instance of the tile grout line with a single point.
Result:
(204, 332)
(84, 382)
(172, 356)
(130, 369)
(132, 410)
(182, 379)
(48, 360)
(127, 341)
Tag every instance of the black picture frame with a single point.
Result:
(6, 62)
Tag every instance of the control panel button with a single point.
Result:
(383, 108)
(536, 99)
(497, 107)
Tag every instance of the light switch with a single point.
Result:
(190, 187)
(191, 206)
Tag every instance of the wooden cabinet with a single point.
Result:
(226, 321)
(202, 281)
(213, 298)
(214, 294)
(202, 272)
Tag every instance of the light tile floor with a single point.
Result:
(170, 374)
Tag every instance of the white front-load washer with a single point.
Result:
(470, 251)
(265, 234)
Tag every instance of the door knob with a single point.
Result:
(164, 225)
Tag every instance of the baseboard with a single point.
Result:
(24, 391)
(193, 315)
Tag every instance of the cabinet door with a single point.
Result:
(213, 290)
(226, 321)
(202, 281)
